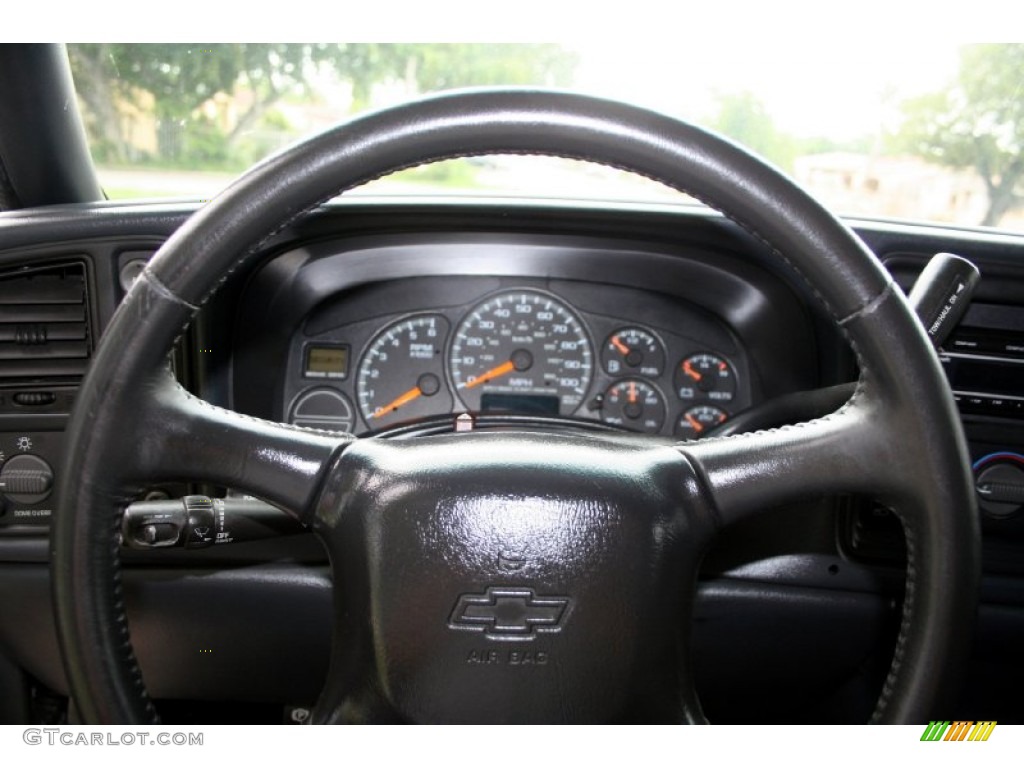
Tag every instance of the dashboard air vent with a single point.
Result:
(44, 324)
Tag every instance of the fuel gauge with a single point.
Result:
(633, 352)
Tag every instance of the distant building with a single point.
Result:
(893, 187)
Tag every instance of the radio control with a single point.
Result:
(989, 405)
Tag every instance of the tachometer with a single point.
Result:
(521, 351)
(401, 374)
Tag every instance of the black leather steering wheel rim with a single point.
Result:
(902, 400)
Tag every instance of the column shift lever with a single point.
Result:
(942, 293)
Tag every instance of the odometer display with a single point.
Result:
(521, 343)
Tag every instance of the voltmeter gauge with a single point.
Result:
(633, 352)
(634, 404)
(705, 377)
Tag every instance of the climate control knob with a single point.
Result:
(999, 481)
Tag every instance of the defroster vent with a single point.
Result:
(44, 324)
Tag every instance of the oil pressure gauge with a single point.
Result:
(634, 404)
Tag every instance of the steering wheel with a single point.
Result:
(482, 576)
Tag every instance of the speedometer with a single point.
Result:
(521, 351)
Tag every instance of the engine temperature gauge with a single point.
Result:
(634, 404)
(698, 420)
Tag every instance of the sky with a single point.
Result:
(819, 68)
(873, 26)
(840, 87)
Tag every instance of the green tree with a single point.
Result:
(745, 119)
(181, 78)
(95, 72)
(977, 123)
(426, 67)
(460, 65)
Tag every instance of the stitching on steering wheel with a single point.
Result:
(164, 291)
(121, 622)
(869, 307)
(910, 592)
(256, 419)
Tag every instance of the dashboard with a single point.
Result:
(371, 317)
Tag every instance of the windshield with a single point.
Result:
(928, 133)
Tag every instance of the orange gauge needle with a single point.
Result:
(632, 391)
(617, 343)
(398, 402)
(500, 370)
(697, 426)
(688, 370)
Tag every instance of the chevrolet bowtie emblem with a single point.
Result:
(509, 613)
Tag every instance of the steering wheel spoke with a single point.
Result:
(837, 454)
(183, 438)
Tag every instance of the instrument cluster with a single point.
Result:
(630, 358)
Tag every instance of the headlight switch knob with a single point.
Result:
(26, 479)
